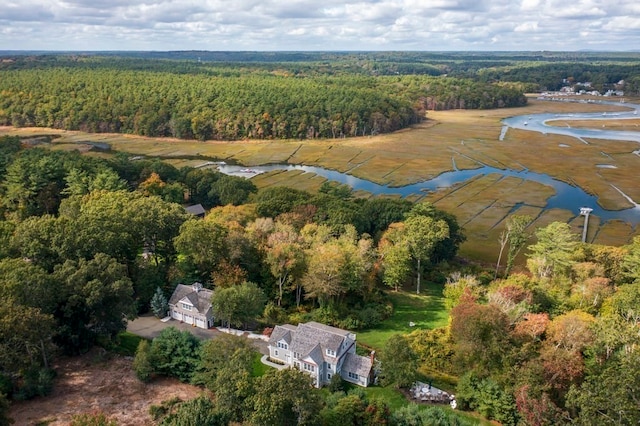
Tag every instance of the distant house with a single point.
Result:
(196, 210)
(320, 351)
(192, 304)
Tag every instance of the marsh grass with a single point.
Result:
(462, 139)
(615, 233)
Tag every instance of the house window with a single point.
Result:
(328, 366)
(283, 345)
(186, 307)
(328, 376)
(296, 355)
(308, 367)
(353, 376)
(331, 352)
(275, 352)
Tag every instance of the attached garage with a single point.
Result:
(177, 315)
(200, 323)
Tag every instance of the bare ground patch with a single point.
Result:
(91, 382)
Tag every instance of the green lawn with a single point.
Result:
(126, 343)
(392, 397)
(257, 367)
(396, 400)
(426, 310)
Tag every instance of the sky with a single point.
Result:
(312, 25)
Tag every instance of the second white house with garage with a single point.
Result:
(191, 304)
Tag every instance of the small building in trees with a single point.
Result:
(320, 351)
(197, 210)
(192, 304)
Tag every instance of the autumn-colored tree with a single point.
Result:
(532, 325)
(457, 285)
(153, 185)
(537, 409)
(228, 275)
(480, 333)
(512, 300)
(590, 293)
(285, 257)
(571, 331)
(323, 279)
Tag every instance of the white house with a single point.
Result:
(192, 305)
(321, 351)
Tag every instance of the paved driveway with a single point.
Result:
(148, 326)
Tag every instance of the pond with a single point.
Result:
(567, 197)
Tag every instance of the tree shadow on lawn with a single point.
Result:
(425, 310)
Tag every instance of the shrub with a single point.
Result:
(336, 384)
(174, 353)
(36, 381)
(141, 363)
(486, 397)
(92, 419)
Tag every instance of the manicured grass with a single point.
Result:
(126, 343)
(392, 397)
(426, 310)
(257, 367)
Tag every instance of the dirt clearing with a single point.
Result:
(99, 382)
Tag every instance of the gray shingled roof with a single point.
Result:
(201, 300)
(316, 355)
(308, 335)
(361, 365)
(281, 332)
(328, 328)
(204, 300)
(196, 210)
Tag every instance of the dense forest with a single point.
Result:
(281, 95)
(87, 243)
(192, 100)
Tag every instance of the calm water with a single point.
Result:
(567, 197)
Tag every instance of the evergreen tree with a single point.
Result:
(159, 304)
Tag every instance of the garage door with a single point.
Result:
(188, 319)
(177, 315)
(200, 323)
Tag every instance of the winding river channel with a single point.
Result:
(566, 197)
